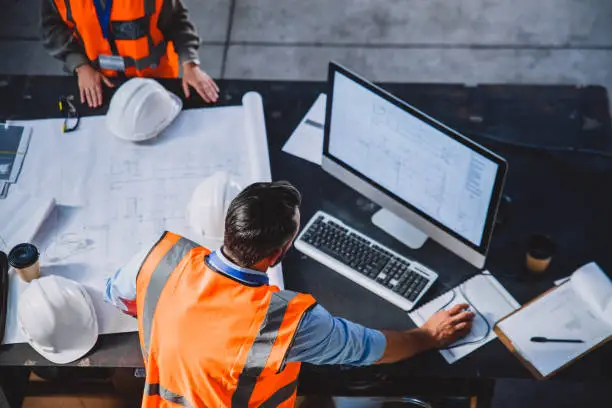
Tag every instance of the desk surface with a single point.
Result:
(557, 193)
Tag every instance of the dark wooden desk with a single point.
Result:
(562, 194)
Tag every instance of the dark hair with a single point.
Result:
(260, 221)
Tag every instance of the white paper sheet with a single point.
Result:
(595, 288)
(483, 293)
(113, 196)
(306, 141)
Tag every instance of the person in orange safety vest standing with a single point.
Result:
(215, 333)
(98, 39)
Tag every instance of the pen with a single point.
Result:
(547, 340)
(314, 124)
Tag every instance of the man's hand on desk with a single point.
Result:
(441, 329)
(90, 85)
(448, 326)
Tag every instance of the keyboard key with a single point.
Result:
(412, 296)
(333, 254)
(382, 262)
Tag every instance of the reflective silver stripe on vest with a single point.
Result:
(158, 280)
(156, 52)
(280, 396)
(156, 389)
(262, 346)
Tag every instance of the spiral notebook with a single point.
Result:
(486, 297)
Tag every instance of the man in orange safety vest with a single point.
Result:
(215, 333)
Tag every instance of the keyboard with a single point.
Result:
(393, 277)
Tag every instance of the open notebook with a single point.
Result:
(483, 293)
(579, 309)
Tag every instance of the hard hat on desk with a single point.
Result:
(208, 206)
(58, 318)
(141, 109)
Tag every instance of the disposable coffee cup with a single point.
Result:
(540, 251)
(24, 258)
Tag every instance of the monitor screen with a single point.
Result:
(414, 160)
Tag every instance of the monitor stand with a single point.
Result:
(400, 229)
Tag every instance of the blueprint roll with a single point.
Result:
(257, 139)
(257, 136)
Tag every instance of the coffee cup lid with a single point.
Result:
(23, 255)
(541, 246)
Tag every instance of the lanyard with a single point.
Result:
(104, 15)
(217, 264)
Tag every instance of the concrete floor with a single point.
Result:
(466, 41)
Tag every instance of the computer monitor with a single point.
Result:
(430, 180)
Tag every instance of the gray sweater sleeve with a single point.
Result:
(173, 22)
(58, 39)
(175, 25)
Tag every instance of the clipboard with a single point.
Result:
(503, 337)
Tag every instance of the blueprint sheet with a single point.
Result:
(113, 197)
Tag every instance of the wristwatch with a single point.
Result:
(195, 61)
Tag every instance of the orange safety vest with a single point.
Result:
(209, 340)
(137, 38)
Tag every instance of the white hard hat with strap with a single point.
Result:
(58, 318)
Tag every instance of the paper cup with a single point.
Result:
(24, 258)
(540, 250)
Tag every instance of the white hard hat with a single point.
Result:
(209, 203)
(58, 318)
(141, 109)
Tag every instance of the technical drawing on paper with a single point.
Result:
(136, 191)
(148, 193)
